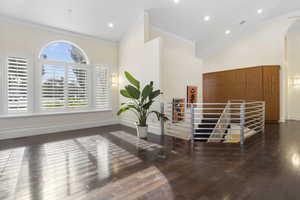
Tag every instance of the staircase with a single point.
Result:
(204, 130)
(230, 122)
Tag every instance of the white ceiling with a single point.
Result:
(185, 19)
(88, 17)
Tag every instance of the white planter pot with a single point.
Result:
(142, 131)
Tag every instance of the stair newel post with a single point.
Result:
(162, 123)
(192, 125)
(264, 116)
(242, 123)
(162, 153)
(264, 123)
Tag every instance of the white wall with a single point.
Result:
(20, 38)
(293, 72)
(180, 67)
(261, 45)
(151, 54)
(140, 57)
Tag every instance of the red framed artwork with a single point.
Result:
(192, 95)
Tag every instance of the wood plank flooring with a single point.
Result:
(109, 163)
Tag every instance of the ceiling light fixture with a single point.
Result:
(207, 18)
(110, 25)
(259, 11)
(176, 1)
(227, 32)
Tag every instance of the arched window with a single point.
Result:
(64, 52)
(69, 82)
(65, 77)
(62, 80)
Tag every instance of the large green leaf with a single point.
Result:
(148, 105)
(134, 107)
(159, 115)
(146, 92)
(124, 93)
(154, 94)
(133, 92)
(151, 84)
(132, 80)
(123, 109)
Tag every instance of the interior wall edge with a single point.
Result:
(173, 35)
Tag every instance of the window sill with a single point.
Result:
(23, 115)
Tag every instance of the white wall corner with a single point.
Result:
(173, 35)
(282, 120)
(146, 26)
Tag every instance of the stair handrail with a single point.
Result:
(222, 124)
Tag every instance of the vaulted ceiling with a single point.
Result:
(91, 17)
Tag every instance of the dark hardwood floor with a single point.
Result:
(110, 163)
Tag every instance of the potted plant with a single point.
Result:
(140, 102)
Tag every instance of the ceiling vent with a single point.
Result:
(243, 22)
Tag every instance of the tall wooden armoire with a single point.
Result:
(252, 83)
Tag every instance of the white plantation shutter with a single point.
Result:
(102, 88)
(77, 88)
(63, 81)
(17, 89)
(53, 87)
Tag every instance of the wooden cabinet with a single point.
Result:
(271, 92)
(253, 83)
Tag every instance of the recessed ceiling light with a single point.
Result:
(259, 11)
(207, 18)
(110, 25)
(176, 1)
(227, 32)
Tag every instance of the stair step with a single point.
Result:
(206, 126)
(209, 121)
(206, 123)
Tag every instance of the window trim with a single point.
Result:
(2, 82)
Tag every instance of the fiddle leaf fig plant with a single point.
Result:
(140, 100)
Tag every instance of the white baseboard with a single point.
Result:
(294, 117)
(153, 128)
(282, 120)
(31, 131)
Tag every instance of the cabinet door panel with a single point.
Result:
(254, 84)
(238, 85)
(271, 92)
